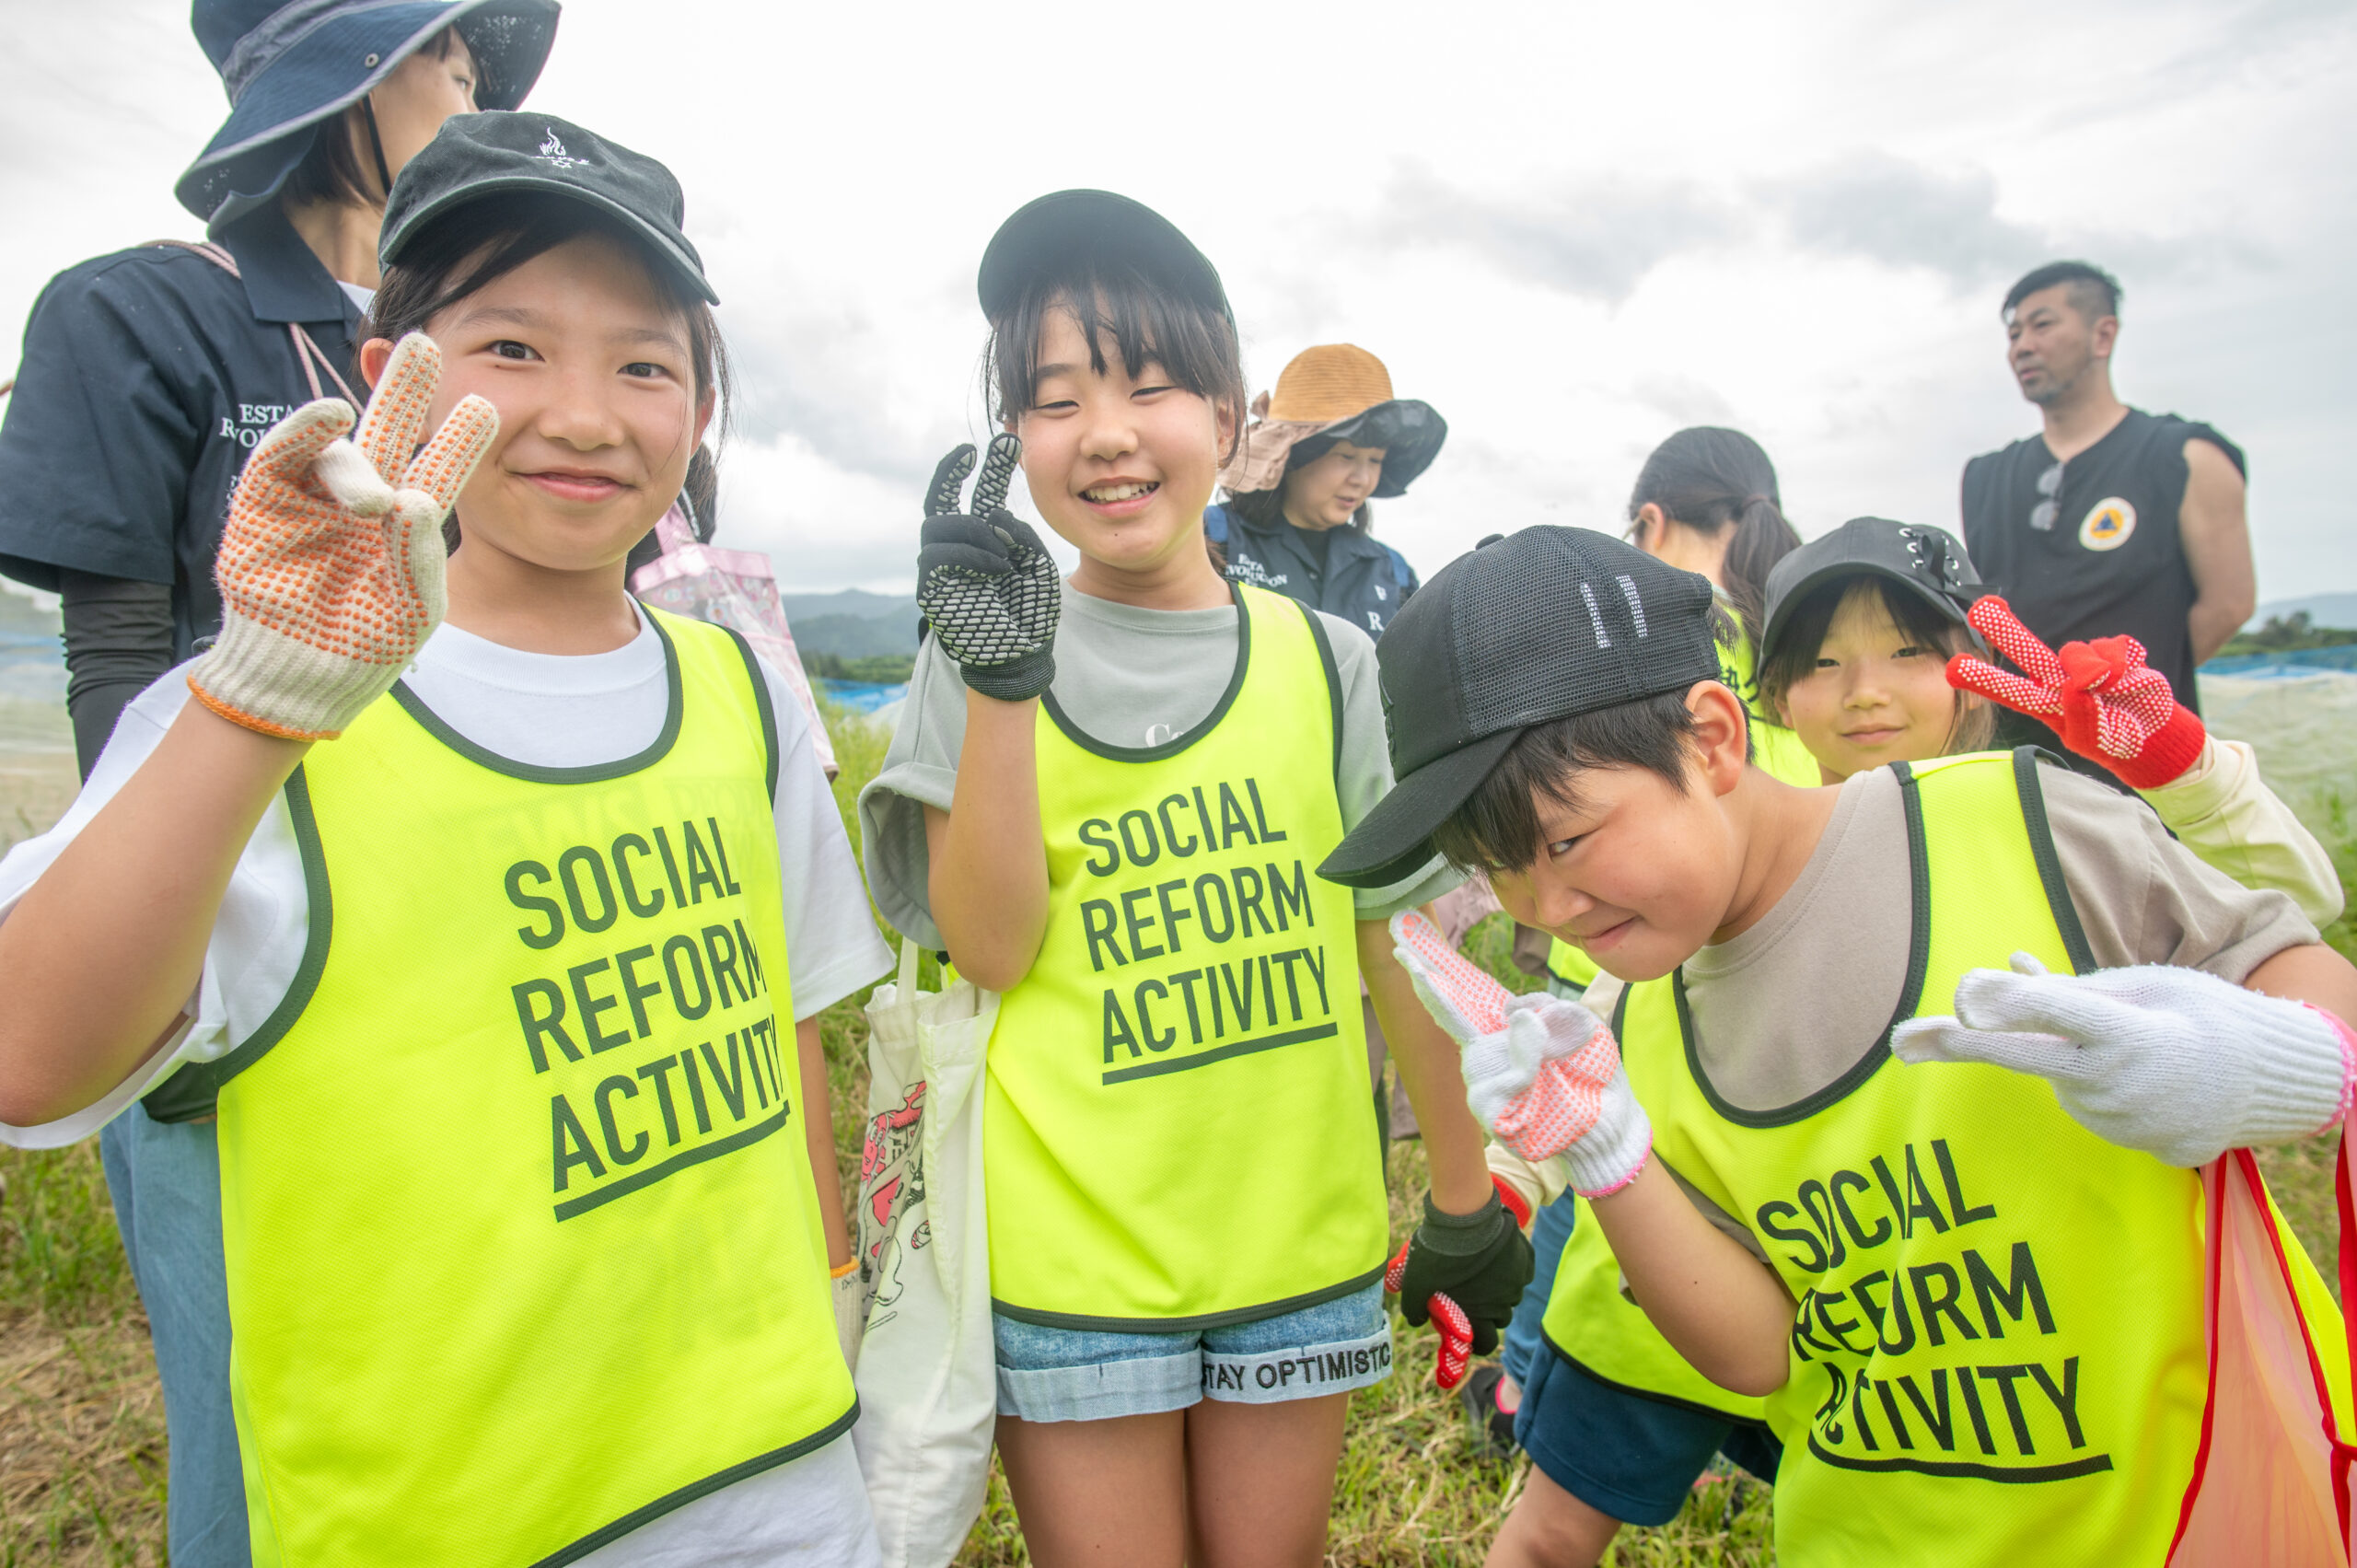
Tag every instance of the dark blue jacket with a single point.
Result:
(1360, 579)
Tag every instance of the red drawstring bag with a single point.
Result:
(2271, 1477)
(734, 589)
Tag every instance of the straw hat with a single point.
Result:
(1331, 393)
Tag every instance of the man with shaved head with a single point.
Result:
(2109, 520)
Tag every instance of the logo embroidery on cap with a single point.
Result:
(553, 153)
(2108, 526)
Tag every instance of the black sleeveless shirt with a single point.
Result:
(2108, 560)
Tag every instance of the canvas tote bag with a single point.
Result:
(926, 1373)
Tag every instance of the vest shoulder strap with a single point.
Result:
(682, 629)
(1333, 680)
(194, 1091)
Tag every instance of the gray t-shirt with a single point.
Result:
(1130, 677)
(1787, 1007)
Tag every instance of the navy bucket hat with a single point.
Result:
(289, 65)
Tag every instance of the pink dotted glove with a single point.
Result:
(2101, 697)
(331, 564)
(1543, 1074)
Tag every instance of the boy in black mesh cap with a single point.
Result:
(1854, 1239)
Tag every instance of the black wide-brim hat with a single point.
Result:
(290, 66)
(1409, 431)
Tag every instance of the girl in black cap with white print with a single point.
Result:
(1861, 629)
(492, 912)
(1106, 799)
(147, 378)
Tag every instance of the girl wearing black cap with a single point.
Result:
(147, 378)
(1861, 628)
(1105, 800)
(496, 942)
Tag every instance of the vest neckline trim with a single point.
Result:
(1171, 748)
(534, 772)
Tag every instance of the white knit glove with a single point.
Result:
(2174, 1062)
(1543, 1074)
(331, 561)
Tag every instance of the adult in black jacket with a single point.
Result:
(1298, 519)
(147, 377)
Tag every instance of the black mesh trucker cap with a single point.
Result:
(475, 156)
(1930, 562)
(1106, 228)
(1528, 628)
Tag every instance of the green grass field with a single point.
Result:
(82, 1428)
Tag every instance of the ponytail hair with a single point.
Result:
(1710, 479)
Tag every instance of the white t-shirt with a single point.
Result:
(551, 711)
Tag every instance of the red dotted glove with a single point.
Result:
(1455, 1328)
(2107, 704)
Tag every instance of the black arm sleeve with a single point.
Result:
(118, 640)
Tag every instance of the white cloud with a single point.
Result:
(1570, 229)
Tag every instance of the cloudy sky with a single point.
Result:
(1572, 228)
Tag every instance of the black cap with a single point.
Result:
(1528, 628)
(1929, 562)
(476, 156)
(1059, 228)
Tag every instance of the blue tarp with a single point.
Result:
(2277, 666)
(859, 696)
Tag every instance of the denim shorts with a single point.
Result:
(1622, 1454)
(1093, 1375)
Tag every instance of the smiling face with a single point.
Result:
(1326, 493)
(1636, 870)
(1877, 691)
(588, 363)
(1121, 466)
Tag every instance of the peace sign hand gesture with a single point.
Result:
(984, 580)
(330, 565)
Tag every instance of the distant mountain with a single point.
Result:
(856, 603)
(2324, 610)
(852, 623)
(854, 636)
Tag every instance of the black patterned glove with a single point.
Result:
(984, 581)
(1481, 1260)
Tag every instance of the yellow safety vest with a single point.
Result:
(1588, 1320)
(1998, 1352)
(1176, 1109)
(523, 1244)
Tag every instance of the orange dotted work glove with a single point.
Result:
(331, 562)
